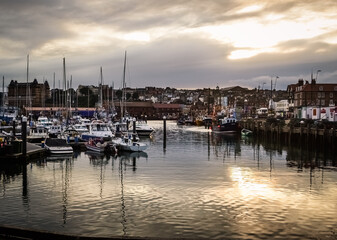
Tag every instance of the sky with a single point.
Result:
(180, 44)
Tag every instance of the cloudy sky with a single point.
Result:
(177, 43)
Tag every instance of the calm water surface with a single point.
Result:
(203, 185)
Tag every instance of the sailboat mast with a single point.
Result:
(70, 87)
(112, 98)
(123, 87)
(64, 83)
(3, 91)
(27, 88)
(101, 90)
(88, 103)
(107, 98)
(54, 90)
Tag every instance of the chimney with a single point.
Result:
(313, 81)
(300, 82)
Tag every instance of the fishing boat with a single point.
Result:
(246, 132)
(57, 146)
(226, 125)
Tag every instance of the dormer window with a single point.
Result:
(320, 88)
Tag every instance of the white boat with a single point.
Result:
(98, 129)
(80, 128)
(98, 145)
(143, 129)
(37, 134)
(55, 130)
(128, 144)
(57, 146)
(44, 121)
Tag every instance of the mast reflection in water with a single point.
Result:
(203, 185)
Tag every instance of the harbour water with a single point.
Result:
(202, 185)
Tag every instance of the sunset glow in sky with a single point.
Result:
(181, 44)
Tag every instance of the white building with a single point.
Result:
(281, 107)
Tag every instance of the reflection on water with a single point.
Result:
(203, 185)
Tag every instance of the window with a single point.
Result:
(320, 88)
(331, 95)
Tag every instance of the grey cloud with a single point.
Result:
(175, 61)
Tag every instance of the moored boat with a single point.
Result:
(57, 146)
(226, 125)
(98, 145)
(98, 129)
(37, 134)
(126, 143)
(143, 129)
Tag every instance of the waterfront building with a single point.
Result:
(281, 107)
(36, 96)
(313, 100)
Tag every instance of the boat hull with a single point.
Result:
(59, 150)
(129, 145)
(144, 132)
(94, 148)
(57, 146)
(226, 128)
(87, 137)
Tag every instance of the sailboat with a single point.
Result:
(127, 142)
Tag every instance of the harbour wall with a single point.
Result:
(301, 134)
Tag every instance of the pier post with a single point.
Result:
(14, 126)
(164, 132)
(290, 135)
(134, 129)
(308, 135)
(24, 136)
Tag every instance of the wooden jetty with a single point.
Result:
(13, 152)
